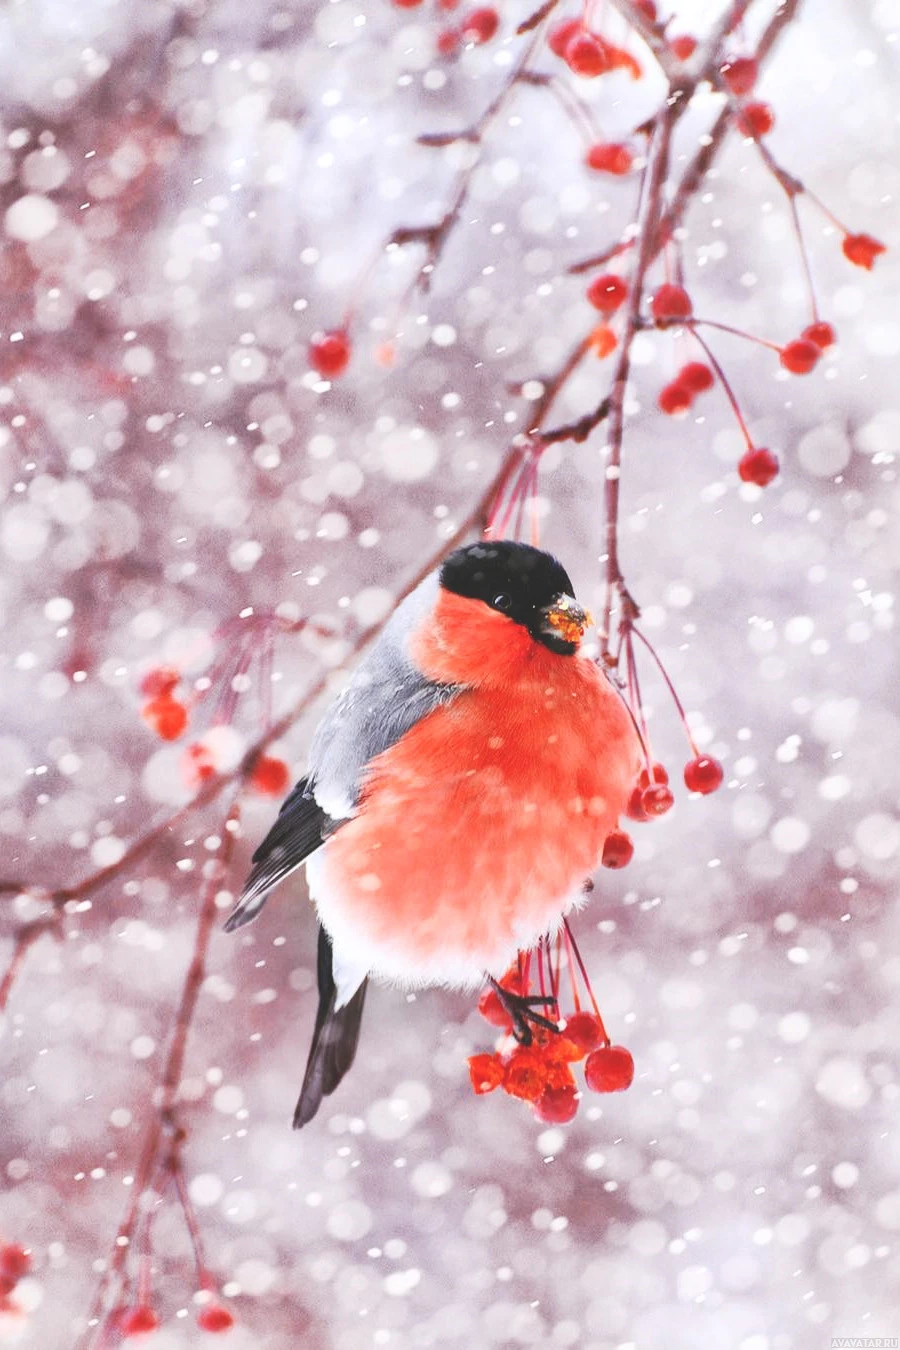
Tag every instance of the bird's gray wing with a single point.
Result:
(385, 698)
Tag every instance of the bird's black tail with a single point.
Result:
(334, 1039)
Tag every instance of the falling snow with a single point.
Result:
(190, 192)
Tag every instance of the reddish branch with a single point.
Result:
(164, 1137)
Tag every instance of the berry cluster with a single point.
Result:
(201, 760)
(541, 1072)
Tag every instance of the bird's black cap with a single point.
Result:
(516, 579)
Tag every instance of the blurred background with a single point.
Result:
(191, 190)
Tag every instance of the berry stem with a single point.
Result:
(647, 225)
(669, 685)
(726, 385)
(570, 937)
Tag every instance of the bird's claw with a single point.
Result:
(520, 1008)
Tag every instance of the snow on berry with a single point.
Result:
(159, 681)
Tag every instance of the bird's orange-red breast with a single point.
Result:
(477, 829)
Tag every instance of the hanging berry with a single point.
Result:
(166, 716)
(758, 466)
(609, 1069)
(609, 157)
(671, 302)
(703, 774)
(862, 250)
(329, 353)
(740, 75)
(480, 26)
(822, 334)
(270, 776)
(800, 356)
(756, 119)
(618, 850)
(607, 293)
(587, 55)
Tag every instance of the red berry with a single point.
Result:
(493, 1011)
(822, 334)
(197, 765)
(657, 800)
(587, 55)
(270, 776)
(671, 302)
(756, 119)
(740, 75)
(675, 398)
(557, 1105)
(215, 1317)
(607, 292)
(138, 1320)
(635, 808)
(15, 1262)
(609, 1069)
(406, 4)
(862, 250)
(758, 466)
(561, 34)
(657, 773)
(584, 1030)
(481, 25)
(683, 46)
(703, 774)
(618, 850)
(448, 41)
(486, 1072)
(696, 376)
(329, 353)
(166, 716)
(448, 4)
(647, 8)
(161, 680)
(800, 356)
(526, 1074)
(609, 157)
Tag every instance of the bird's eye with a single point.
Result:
(502, 601)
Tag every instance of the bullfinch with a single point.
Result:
(458, 793)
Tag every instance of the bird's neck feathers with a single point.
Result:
(462, 641)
